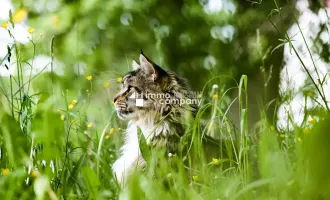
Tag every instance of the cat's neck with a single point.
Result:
(147, 128)
(152, 128)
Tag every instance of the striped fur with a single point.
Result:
(160, 123)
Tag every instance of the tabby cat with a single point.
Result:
(160, 122)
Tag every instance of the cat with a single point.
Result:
(160, 122)
(157, 102)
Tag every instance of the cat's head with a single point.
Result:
(132, 101)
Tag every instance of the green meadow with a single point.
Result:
(63, 63)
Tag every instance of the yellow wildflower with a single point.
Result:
(195, 178)
(55, 21)
(5, 171)
(299, 140)
(107, 136)
(215, 96)
(119, 129)
(20, 15)
(312, 121)
(119, 79)
(4, 25)
(310, 94)
(90, 125)
(31, 30)
(62, 117)
(70, 107)
(34, 173)
(89, 77)
(112, 130)
(58, 110)
(306, 131)
(74, 102)
(215, 161)
(106, 84)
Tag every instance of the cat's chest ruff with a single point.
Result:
(130, 152)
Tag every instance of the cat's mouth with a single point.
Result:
(123, 114)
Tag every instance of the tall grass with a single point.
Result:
(51, 148)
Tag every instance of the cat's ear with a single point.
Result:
(135, 65)
(148, 67)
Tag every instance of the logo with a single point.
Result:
(166, 98)
(138, 101)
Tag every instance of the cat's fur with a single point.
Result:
(160, 123)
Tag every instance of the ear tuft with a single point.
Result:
(148, 67)
(135, 65)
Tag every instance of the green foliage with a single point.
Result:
(145, 151)
(59, 133)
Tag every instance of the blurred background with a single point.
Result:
(199, 40)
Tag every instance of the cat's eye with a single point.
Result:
(129, 88)
(137, 90)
